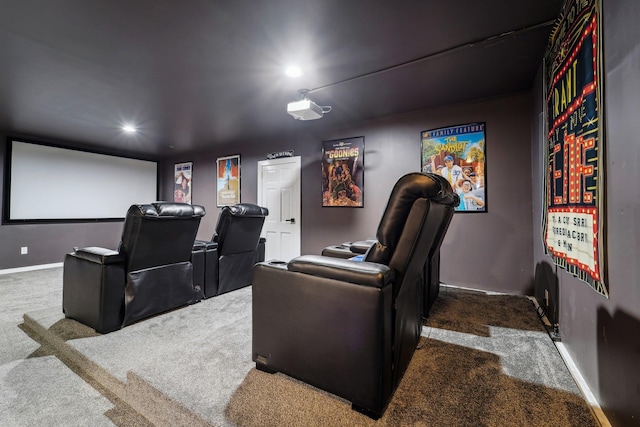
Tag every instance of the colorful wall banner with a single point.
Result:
(573, 214)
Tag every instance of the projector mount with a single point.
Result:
(305, 109)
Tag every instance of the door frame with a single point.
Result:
(297, 160)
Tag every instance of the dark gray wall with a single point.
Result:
(485, 250)
(498, 250)
(204, 173)
(602, 334)
(392, 149)
(482, 250)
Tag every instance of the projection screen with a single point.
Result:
(49, 183)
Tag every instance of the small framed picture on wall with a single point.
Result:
(228, 180)
(183, 182)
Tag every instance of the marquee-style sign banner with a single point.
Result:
(279, 154)
(573, 219)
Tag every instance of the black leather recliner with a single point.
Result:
(151, 272)
(236, 246)
(431, 276)
(350, 328)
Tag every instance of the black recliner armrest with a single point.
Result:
(360, 273)
(362, 246)
(99, 255)
(93, 288)
(203, 244)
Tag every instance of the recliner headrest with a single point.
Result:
(406, 191)
(247, 209)
(239, 227)
(159, 233)
(167, 209)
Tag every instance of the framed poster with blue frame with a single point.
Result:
(458, 154)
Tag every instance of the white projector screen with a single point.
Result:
(52, 183)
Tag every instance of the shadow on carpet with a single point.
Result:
(483, 360)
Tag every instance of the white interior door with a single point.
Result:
(279, 191)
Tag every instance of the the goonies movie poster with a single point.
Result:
(343, 172)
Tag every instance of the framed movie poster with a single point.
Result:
(343, 172)
(228, 177)
(183, 184)
(458, 154)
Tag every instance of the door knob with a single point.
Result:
(292, 220)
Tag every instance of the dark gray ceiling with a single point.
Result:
(193, 74)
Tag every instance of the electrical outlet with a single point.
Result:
(546, 298)
(24, 250)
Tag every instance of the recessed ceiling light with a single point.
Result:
(293, 71)
(129, 128)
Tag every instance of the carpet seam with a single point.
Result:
(163, 411)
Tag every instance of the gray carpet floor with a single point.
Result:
(36, 388)
(484, 360)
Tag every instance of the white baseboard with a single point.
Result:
(473, 289)
(594, 405)
(30, 268)
(582, 384)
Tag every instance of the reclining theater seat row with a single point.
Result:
(157, 267)
(151, 271)
(347, 327)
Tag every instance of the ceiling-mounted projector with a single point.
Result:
(305, 109)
